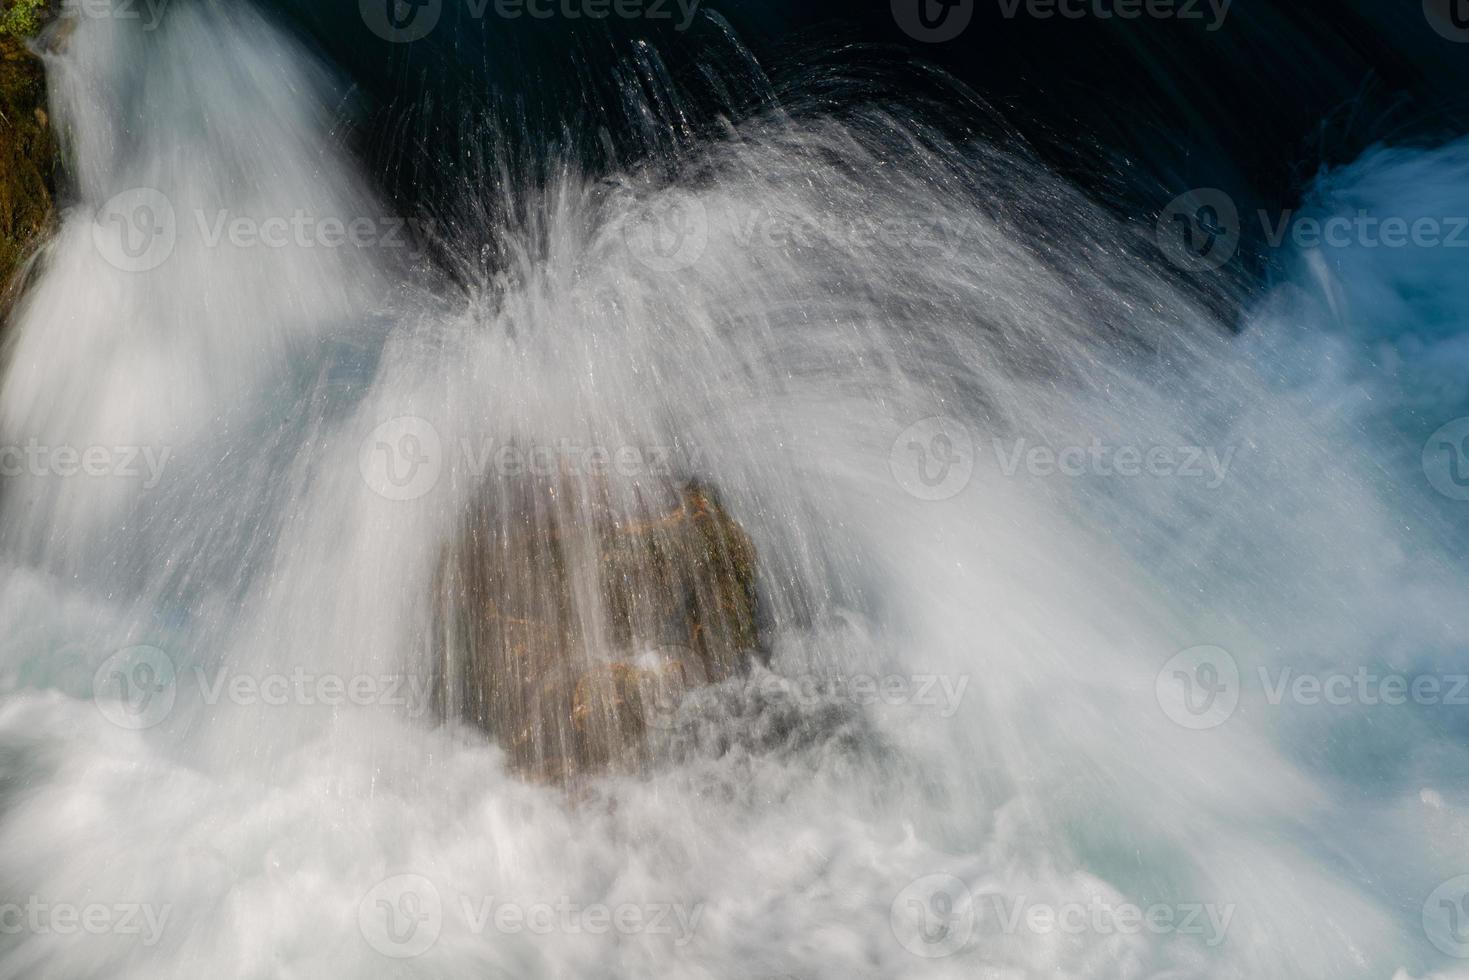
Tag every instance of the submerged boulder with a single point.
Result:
(570, 622)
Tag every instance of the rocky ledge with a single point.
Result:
(28, 156)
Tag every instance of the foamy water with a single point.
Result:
(987, 729)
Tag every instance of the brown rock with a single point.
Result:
(28, 156)
(570, 623)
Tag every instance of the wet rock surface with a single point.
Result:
(27, 159)
(571, 623)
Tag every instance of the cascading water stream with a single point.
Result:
(857, 332)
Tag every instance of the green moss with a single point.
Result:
(27, 152)
(23, 18)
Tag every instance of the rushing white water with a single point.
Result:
(1042, 756)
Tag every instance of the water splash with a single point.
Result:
(859, 332)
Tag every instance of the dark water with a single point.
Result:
(1135, 111)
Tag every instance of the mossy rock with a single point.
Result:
(25, 18)
(28, 158)
(569, 633)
